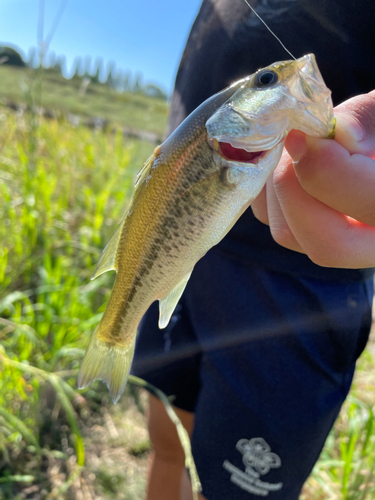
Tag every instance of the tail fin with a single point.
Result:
(107, 362)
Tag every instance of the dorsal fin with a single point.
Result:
(168, 303)
(143, 173)
(107, 261)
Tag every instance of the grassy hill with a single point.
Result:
(129, 109)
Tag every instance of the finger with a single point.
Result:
(259, 207)
(329, 173)
(340, 176)
(355, 124)
(328, 237)
(279, 227)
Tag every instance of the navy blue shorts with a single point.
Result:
(265, 359)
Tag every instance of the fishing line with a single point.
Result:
(269, 29)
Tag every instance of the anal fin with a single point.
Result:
(168, 303)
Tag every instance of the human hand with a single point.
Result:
(321, 198)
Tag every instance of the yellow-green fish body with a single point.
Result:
(190, 193)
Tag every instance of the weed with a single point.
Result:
(58, 212)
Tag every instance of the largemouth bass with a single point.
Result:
(189, 194)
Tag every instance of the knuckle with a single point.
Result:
(322, 255)
(261, 215)
(280, 179)
(328, 252)
(321, 260)
(366, 213)
(318, 168)
(367, 117)
(362, 107)
(282, 234)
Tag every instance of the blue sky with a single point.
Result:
(146, 36)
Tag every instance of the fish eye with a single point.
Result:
(266, 78)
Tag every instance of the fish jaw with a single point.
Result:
(245, 130)
(252, 173)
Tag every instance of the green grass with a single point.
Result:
(357, 431)
(346, 468)
(133, 110)
(62, 192)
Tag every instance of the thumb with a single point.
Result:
(355, 124)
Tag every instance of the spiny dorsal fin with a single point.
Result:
(168, 303)
(143, 173)
(107, 261)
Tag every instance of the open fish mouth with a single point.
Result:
(231, 153)
(242, 151)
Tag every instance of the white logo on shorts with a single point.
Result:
(258, 460)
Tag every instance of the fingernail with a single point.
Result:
(348, 129)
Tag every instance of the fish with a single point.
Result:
(189, 194)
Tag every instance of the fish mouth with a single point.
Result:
(238, 155)
(243, 151)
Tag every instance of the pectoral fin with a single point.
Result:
(168, 303)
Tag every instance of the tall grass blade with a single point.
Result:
(17, 424)
(72, 418)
